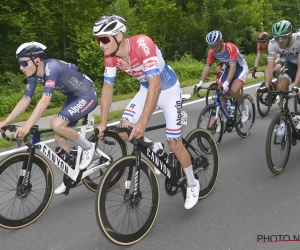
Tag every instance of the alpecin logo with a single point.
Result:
(141, 42)
(76, 109)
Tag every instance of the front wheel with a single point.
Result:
(112, 145)
(209, 120)
(244, 129)
(22, 204)
(296, 103)
(211, 93)
(126, 215)
(278, 144)
(263, 102)
(205, 162)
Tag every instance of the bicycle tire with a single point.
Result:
(207, 112)
(296, 103)
(239, 126)
(212, 154)
(263, 102)
(274, 139)
(104, 191)
(7, 183)
(211, 92)
(92, 181)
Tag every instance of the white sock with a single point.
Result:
(243, 107)
(190, 178)
(84, 143)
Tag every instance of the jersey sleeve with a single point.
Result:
(110, 70)
(53, 71)
(232, 51)
(146, 49)
(272, 50)
(30, 87)
(210, 58)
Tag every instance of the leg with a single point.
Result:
(283, 84)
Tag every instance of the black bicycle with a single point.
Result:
(26, 178)
(283, 132)
(212, 116)
(127, 211)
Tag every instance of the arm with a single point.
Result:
(297, 79)
(19, 109)
(106, 100)
(232, 69)
(257, 60)
(38, 111)
(205, 73)
(269, 72)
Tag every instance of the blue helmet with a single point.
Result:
(213, 37)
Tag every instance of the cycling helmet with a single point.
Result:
(263, 36)
(282, 27)
(214, 37)
(109, 25)
(298, 30)
(32, 50)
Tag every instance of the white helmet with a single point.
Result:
(31, 49)
(109, 25)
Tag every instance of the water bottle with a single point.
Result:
(162, 155)
(172, 159)
(227, 108)
(73, 157)
(232, 108)
(62, 154)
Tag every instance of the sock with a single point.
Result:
(243, 106)
(83, 143)
(190, 178)
(156, 146)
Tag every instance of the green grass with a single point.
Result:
(113, 115)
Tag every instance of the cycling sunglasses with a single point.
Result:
(280, 38)
(103, 39)
(215, 46)
(24, 63)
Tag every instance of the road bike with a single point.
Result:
(127, 211)
(283, 132)
(213, 115)
(26, 178)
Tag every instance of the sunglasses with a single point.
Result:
(263, 42)
(24, 63)
(103, 39)
(214, 46)
(279, 38)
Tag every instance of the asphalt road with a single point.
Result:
(248, 203)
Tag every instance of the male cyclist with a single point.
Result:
(287, 44)
(55, 75)
(235, 72)
(262, 46)
(140, 58)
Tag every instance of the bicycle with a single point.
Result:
(26, 178)
(212, 119)
(284, 131)
(127, 212)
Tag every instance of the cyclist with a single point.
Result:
(262, 46)
(55, 75)
(236, 69)
(287, 44)
(139, 57)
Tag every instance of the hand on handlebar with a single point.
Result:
(225, 87)
(2, 125)
(253, 71)
(22, 131)
(101, 129)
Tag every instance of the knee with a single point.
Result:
(57, 125)
(175, 146)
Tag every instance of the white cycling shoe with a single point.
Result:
(192, 196)
(61, 189)
(87, 157)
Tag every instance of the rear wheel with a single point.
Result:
(112, 145)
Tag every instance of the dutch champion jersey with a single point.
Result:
(61, 76)
(230, 55)
(145, 60)
(291, 54)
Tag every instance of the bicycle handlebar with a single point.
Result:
(10, 128)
